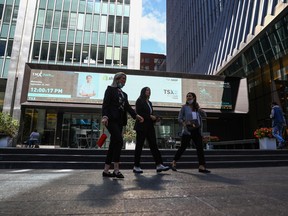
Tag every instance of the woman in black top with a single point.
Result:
(114, 117)
(145, 130)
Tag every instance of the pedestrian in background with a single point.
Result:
(34, 139)
(278, 123)
(190, 117)
(114, 117)
(146, 131)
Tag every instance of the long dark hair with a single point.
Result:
(194, 105)
(143, 94)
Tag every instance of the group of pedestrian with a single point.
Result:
(114, 118)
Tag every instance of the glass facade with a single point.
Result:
(265, 64)
(8, 18)
(81, 32)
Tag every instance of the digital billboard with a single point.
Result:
(83, 87)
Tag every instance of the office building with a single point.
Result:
(152, 61)
(242, 38)
(60, 33)
(93, 33)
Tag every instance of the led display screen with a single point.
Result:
(83, 87)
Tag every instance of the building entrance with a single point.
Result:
(80, 130)
(62, 129)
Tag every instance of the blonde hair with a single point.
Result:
(116, 78)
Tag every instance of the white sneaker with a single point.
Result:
(137, 170)
(161, 168)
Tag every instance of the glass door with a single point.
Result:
(80, 130)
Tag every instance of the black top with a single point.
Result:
(143, 109)
(115, 105)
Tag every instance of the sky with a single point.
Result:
(153, 26)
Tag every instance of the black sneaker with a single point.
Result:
(118, 174)
(108, 174)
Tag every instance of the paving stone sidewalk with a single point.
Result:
(249, 191)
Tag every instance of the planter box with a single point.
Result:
(5, 141)
(267, 143)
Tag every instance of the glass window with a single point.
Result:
(52, 53)
(77, 53)
(46, 35)
(42, 4)
(61, 50)
(118, 24)
(125, 40)
(90, 6)
(57, 18)
(104, 8)
(58, 4)
(80, 24)
(74, 5)
(85, 53)
(4, 30)
(40, 19)
(117, 40)
(94, 38)
(69, 52)
(102, 38)
(44, 51)
(63, 34)
(124, 57)
(48, 21)
(9, 48)
(112, 8)
(97, 7)
(79, 36)
(101, 53)
(95, 23)
(127, 1)
(36, 50)
(66, 5)
(126, 10)
(55, 34)
(103, 26)
(15, 14)
(87, 37)
(93, 51)
(109, 53)
(71, 36)
(12, 31)
(73, 21)
(82, 6)
(38, 33)
(50, 4)
(1, 11)
(88, 21)
(119, 10)
(126, 25)
(111, 23)
(2, 48)
(6, 68)
(117, 53)
(110, 39)
(64, 22)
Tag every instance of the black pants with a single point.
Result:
(185, 141)
(150, 135)
(116, 142)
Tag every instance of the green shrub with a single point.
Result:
(8, 125)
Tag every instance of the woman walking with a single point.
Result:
(114, 117)
(190, 117)
(146, 130)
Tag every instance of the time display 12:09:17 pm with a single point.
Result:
(47, 90)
